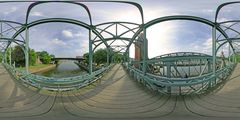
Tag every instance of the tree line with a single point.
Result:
(100, 56)
(18, 56)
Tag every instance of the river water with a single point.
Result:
(64, 69)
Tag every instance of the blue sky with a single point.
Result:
(65, 40)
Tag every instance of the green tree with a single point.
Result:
(7, 55)
(45, 57)
(86, 56)
(117, 57)
(18, 56)
(100, 56)
(33, 57)
(52, 56)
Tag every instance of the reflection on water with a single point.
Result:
(64, 69)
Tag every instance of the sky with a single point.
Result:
(67, 40)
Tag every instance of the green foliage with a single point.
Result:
(18, 56)
(117, 57)
(45, 57)
(238, 58)
(86, 56)
(33, 57)
(100, 56)
(8, 55)
(52, 56)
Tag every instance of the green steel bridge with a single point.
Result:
(184, 85)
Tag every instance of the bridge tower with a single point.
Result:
(139, 48)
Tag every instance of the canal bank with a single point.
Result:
(39, 68)
(42, 69)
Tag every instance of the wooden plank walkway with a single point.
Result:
(117, 96)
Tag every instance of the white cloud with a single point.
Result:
(207, 46)
(39, 14)
(67, 33)
(208, 43)
(58, 42)
(208, 10)
(79, 34)
(161, 39)
(12, 9)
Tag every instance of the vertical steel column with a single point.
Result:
(1, 30)
(26, 49)
(189, 69)
(90, 58)
(235, 58)
(128, 55)
(168, 75)
(163, 69)
(5, 56)
(209, 66)
(125, 57)
(10, 55)
(214, 51)
(229, 52)
(116, 30)
(200, 65)
(144, 50)
(108, 52)
(1, 37)
(180, 90)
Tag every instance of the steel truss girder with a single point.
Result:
(115, 36)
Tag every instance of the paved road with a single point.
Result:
(117, 96)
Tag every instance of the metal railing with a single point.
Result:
(56, 84)
(165, 84)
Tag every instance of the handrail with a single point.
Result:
(56, 84)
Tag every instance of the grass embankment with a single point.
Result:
(39, 68)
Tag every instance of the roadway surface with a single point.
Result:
(117, 96)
